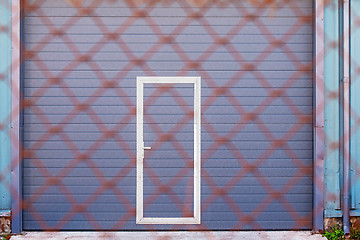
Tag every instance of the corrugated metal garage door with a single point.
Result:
(81, 63)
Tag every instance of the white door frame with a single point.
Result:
(140, 148)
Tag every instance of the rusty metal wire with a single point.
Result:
(60, 79)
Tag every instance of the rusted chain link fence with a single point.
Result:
(80, 61)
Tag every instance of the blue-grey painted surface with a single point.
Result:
(50, 204)
(332, 108)
(333, 160)
(355, 108)
(166, 158)
(318, 112)
(5, 105)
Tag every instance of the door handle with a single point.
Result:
(143, 150)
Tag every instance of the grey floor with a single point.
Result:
(268, 235)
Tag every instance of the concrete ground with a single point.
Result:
(268, 235)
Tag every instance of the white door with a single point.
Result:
(168, 150)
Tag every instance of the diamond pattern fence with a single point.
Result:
(80, 62)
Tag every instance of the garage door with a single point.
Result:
(253, 65)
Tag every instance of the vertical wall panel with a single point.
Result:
(355, 108)
(332, 109)
(5, 76)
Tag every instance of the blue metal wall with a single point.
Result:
(256, 98)
(5, 62)
(333, 110)
(355, 108)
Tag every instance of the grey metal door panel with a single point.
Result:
(76, 177)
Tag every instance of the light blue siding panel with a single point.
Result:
(355, 108)
(5, 89)
(332, 111)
